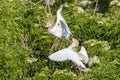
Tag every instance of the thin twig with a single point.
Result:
(96, 7)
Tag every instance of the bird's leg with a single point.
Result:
(80, 69)
(60, 43)
(53, 45)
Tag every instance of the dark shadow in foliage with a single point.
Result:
(103, 5)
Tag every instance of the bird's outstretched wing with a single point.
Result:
(59, 55)
(83, 54)
(66, 29)
(67, 54)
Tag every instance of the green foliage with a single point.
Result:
(25, 43)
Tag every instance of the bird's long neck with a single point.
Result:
(72, 46)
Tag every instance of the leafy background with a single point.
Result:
(25, 43)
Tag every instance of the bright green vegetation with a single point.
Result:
(23, 39)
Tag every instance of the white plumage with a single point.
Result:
(60, 29)
(83, 55)
(68, 54)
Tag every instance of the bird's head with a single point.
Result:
(48, 25)
(75, 42)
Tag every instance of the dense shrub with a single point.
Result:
(25, 43)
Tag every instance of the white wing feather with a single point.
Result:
(60, 28)
(59, 16)
(66, 54)
(61, 20)
(66, 28)
(83, 51)
(58, 56)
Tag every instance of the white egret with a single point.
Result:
(70, 54)
(60, 29)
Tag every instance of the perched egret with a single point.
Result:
(70, 54)
(60, 29)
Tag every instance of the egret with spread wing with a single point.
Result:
(60, 29)
(70, 54)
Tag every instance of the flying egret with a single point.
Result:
(70, 54)
(60, 29)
